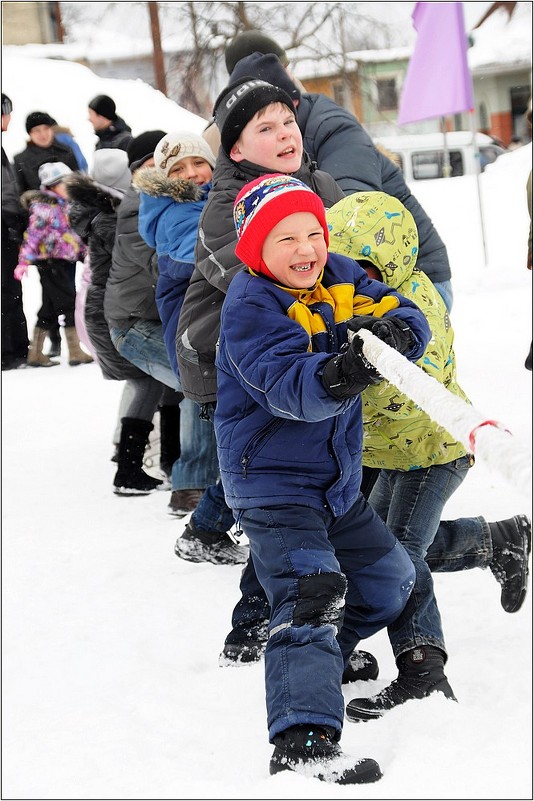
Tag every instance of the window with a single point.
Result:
(429, 164)
(387, 94)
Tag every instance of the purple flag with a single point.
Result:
(438, 81)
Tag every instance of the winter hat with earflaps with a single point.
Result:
(237, 104)
(261, 205)
(180, 145)
(111, 171)
(374, 227)
(53, 173)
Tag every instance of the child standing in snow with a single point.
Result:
(289, 434)
(51, 244)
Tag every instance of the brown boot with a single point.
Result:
(76, 354)
(36, 357)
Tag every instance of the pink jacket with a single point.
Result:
(48, 235)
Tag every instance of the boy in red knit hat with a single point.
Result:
(289, 432)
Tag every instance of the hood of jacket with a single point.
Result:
(88, 200)
(41, 196)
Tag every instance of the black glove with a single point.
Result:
(349, 373)
(394, 332)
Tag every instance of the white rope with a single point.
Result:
(488, 439)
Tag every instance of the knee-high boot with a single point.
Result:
(76, 354)
(130, 478)
(36, 357)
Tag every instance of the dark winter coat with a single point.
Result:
(215, 266)
(169, 212)
(341, 147)
(131, 286)
(117, 135)
(93, 217)
(14, 217)
(28, 162)
(281, 437)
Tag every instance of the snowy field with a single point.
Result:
(111, 684)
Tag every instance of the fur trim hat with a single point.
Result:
(141, 148)
(38, 118)
(268, 68)
(262, 204)
(53, 173)
(7, 105)
(374, 227)
(237, 104)
(249, 42)
(105, 106)
(111, 171)
(180, 145)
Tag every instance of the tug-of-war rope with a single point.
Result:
(487, 439)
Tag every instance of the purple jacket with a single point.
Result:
(48, 235)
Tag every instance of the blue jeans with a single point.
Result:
(411, 503)
(305, 561)
(445, 290)
(198, 466)
(144, 346)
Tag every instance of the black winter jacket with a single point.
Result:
(215, 266)
(131, 286)
(28, 162)
(93, 217)
(341, 147)
(118, 135)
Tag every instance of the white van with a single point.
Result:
(421, 156)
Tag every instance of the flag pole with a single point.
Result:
(446, 169)
(479, 192)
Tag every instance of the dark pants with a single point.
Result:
(59, 293)
(14, 327)
(305, 561)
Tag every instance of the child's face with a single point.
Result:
(271, 139)
(60, 189)
(295, 251)
(192, 168)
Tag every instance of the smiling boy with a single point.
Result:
(289, 433)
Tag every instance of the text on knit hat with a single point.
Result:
(239, 102)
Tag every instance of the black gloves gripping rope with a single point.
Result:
(350, 372)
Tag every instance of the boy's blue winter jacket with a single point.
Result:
(282, 439)
(169, 212)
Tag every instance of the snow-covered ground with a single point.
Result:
(111, 684)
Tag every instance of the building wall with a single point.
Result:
(27, 23)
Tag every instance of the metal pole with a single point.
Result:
(479, 192)
(446, 155)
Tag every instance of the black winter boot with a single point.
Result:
(130, 479)
(198, 545)
(361, 666)
(169, 437)
(313, 751)
(511, 548)
(420, 674)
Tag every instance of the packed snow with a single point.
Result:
(111, 682)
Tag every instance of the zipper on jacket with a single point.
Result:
(255, 444)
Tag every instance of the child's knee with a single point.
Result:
(321, 600)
